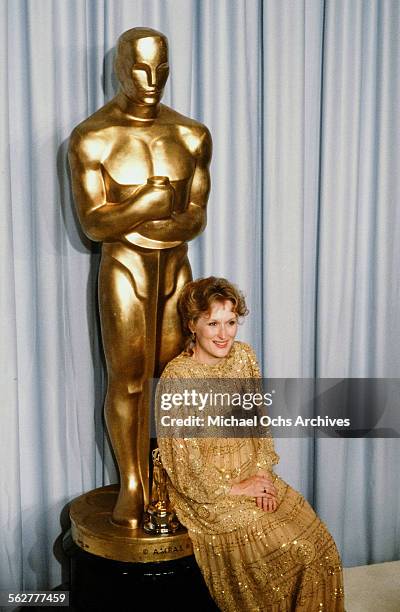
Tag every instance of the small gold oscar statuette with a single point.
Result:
(160, 518)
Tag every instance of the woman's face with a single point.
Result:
(215, 332)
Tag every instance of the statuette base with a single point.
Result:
(93, 531)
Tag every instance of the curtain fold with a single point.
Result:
(357, 321)
(301, 99)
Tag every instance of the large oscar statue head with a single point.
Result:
(141, 65)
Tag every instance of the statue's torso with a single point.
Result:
(135, 154)
(131, 152)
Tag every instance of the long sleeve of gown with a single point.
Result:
(189, 471)
(185, 459)
(266, 455)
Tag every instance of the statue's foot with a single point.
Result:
(128, 511)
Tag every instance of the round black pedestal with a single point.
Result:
(103, 584)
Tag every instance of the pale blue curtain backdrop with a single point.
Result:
(302, 101)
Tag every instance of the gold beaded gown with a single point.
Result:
(251, 560)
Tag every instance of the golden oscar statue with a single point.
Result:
(140, 177)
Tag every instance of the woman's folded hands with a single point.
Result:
(261, 487)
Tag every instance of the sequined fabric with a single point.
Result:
(251, 560)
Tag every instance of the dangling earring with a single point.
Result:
(193, 337)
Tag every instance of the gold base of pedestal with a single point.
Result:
(93, 531)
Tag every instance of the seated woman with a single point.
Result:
(257, 541)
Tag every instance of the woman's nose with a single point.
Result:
(222, 332)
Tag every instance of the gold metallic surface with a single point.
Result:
(93, 530)
(140, 177)
(160, 517)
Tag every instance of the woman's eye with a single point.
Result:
(213, 324)
(232, 323)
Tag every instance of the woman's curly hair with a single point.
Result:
(197, 297)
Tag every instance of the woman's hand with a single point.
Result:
(268, 504)
(261, 487)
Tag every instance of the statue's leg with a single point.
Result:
(177, 273)
(128, 321)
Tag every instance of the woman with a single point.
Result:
(259, 544)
